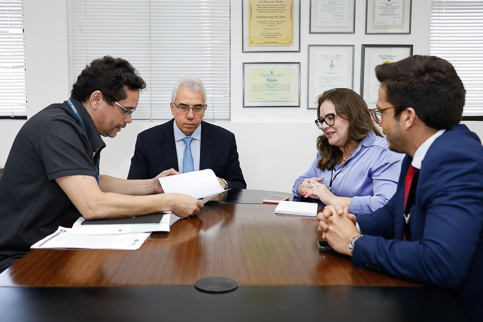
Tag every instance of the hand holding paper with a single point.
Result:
(198, 184)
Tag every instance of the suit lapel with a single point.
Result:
(168, 147)
(207, 142)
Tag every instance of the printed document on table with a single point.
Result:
(106, 229)
(63, 238)
(297, 208)
(201, 184)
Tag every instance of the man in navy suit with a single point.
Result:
(211, 147)
(431, 230)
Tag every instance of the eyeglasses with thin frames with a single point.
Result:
(126, 111)
(329, 119)
(376, 113)
(185, 108)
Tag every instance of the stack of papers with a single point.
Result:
(297, 208)
(141, 224)
(64, 238)
(124, 233)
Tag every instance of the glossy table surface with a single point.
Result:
(274, 258)
(246, 242)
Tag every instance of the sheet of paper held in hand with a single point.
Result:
(63, 238)
(201, 184)
(297, 208)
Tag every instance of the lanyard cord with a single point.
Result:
(72, 107)
(332, 173)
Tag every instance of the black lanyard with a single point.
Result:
(72, 107)
(332, 173)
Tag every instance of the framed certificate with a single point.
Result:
(271, 84)
(332, 16)
(330, 66)
(271, 25)
(388, 17)
(373, 55)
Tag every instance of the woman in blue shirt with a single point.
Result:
(354, 166)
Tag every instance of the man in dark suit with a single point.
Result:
(208, 147)
(431, 231)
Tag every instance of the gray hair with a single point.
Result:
(191, 83)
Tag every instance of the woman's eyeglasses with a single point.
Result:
(329, 119)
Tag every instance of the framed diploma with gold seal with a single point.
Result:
(271, 25)
(388, 17)
(271, 84)
(373, 55)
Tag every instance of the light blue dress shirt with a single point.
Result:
(370, 178)
(195, 146)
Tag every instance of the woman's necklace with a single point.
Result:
(345, 158)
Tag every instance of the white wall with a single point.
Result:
(275, 145)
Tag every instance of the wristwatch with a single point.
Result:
(353, 241)
(226, 183)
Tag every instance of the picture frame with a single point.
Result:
(330, 66)
(373, 55)
(388, 16)
(271, 26)
(332, 17)
(271, 84)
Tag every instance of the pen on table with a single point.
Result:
(313, 186)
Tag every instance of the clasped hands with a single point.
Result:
(312, 188)
(337, 226)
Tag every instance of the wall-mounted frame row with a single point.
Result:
(329, 66)
(274, 26)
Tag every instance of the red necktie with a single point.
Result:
(409, 180)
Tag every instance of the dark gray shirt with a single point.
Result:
(52, 144)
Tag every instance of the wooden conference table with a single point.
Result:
(274, 259)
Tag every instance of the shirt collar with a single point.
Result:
(423, 149)
(367, 141)
(179, 135)
(92, 134)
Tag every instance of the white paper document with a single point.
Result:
(201, 184)
(297, 208)
(106, 229)
(63, 238)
